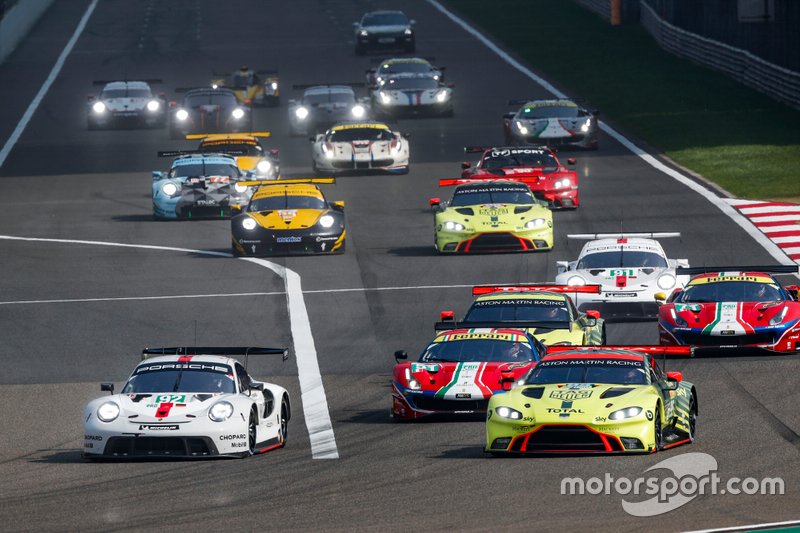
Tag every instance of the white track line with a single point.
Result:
(721, 203)
(26, 117)
(750, 527)
(315, 406)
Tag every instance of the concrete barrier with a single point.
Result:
(19, 19)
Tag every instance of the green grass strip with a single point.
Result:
(741, 139)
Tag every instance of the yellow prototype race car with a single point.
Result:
(491, 215)
(261, 88)
(288, 217)
(545, 311)
(251, 158)
(609, 399)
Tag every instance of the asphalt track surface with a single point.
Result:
(64, 182)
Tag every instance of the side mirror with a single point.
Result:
(406, 134)
(592, 313)
(173, 104)
(562, 266)
(91, 97)
(400, 355)
(312, 139)
(571, 161)
(682, 263)
(109, 387)
(236, 210)
(435, 202)
(660, 297)
(794, 291)
(256, 386)
(465, 165)
(274, 152)
(675, 376)
(412, 22)
(158, 175)
(356, 24)
(509, 116)
(447, 316)
(441, 69)
(451, 85)
(338, 205)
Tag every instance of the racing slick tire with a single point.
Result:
(692, 419)
(284, 422)
(603, 337)
(252, 434)
(658, 434)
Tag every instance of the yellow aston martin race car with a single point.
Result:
(251, 158)
(545, 311)
(288, 217)
(608, 399)
(491, 215)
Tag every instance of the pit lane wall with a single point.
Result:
(17, 20)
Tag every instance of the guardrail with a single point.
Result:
(18, 19)
(778, 82)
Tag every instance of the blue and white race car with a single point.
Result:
(198, 185)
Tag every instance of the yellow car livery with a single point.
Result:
(251, 158)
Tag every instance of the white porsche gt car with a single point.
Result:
(360, 146)
(126, 103)
(191, 403)
(413, 94)
(630, 268)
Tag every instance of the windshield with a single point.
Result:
(284, 201)
(622, 258)
(210, 98)
(384, 19)
(207, 169)
(247, 149)
(243, 79)
(125, 93)
(396, 68)
(492, 194)
(418, 84)
(522, 309)
(359, 134)
(730, 291)
(181, 377)
(329, 98)
(550, 111)
(612, 371)
(477, 350)
(500, 159)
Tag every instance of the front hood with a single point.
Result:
(413, 96)
(166, 406)
(462, 381)
(376, 148)
(378, 30)
(126, 104)
(496, 217)
(247, 162)
(575, 403)
(547, 128)
(624, 278)
(288, 219)
(731, 318)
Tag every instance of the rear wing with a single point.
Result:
(523, 101)
(643, 235)
(176, 153)
(505, 324)
(491, 289)
(222, 136)
(293, 181)
(654, 350)
(215, 350)
(476, 149)
(766, 269)
(152, 81)
(450, 182)
(304, 86)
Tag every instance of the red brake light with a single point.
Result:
(489, 289)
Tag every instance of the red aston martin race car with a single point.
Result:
(548, 179)
(729, 308)
(460, 370)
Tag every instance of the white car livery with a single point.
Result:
(192, 403)
(411, 93)
(630, 268)
(126, 103)
(354, 146)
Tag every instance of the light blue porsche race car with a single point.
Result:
(198, 185)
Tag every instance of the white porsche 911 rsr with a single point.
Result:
(190, 403)
(630, 268)
(360, 146)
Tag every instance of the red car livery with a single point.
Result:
(541, 170)
(729, 309)
(460, 370)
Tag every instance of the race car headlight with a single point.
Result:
(777, 319)
(181, 114)
(576, 281)
(358, 111)
(153, 105)
(249, 224)
(363, 33)
(238, 187)
(169, 188)
(264, 166)
(562, 184)
(507, 412)
(678, 319)
(274, 85)
(585, 125)
(413, 384)
(385, 98)
(453, 226)
(521, 127)
(327, 149)
(237, 113)
(442, 96)
(301, 113)
(535, 223)
(99, 107)
(108, 412)
(326, 221)
(628, 412)
(666, 281)
(220, 411)
(408, 31)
